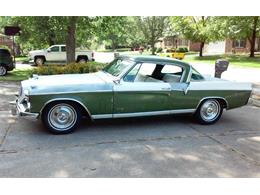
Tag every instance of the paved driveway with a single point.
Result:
(168, 146)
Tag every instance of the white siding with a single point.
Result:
(215, 47)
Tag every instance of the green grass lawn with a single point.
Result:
(16, 75)
(234, 60)
(21, 58)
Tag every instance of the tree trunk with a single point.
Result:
(51, 41)
(70, 39)
(153, 47)
(253, 38)
(201, 48)
(113, 44)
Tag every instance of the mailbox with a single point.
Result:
(116, 55)
(220, 67)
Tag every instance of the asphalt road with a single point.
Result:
(168, 146)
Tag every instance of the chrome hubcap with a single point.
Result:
(2, 70)
(210, 110)
(62, 117)
(39, 61)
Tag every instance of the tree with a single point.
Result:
(70, 39)
(112, 30)
(152, 28)
(242, 27)
(43, 31)
(196, 28)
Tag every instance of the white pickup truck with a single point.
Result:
(57, 53)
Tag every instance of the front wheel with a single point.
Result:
(82, 60)
(3, 70)
(61, 118)
(209, 111)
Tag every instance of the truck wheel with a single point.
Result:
(39, 61)
(3, 70)
(209, 112)
(82, 60)
(61, 117)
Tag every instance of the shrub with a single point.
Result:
(73, 68)
(159, 50)
(182, 49)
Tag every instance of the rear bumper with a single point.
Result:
(22, 108)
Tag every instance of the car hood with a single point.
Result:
(68, 83)
(37, 51)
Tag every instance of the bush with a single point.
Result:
(73, 68)
(182, 49)
(159, 50)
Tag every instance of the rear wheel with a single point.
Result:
(209, 111)
(82, 60)
(61, 117)
(3, 70)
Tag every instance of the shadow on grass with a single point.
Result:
(16, 75)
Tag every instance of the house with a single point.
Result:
(231, 46)
(175, 41)
(6, 41)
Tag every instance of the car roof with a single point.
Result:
(155, 59)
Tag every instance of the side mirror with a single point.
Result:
(48, 50)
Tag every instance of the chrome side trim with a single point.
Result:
(139, 114)
(72, 92)
(102, 116)
(154, 113)
(66, 99)
(211, 97)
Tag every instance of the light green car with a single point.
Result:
(130, 86)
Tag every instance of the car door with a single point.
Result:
(138, 94)
(179, 98)
(53, 53)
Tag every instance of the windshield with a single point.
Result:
(118, 67)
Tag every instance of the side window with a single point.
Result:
(172, 74)
(147, 69)
(171, 69)
(63, 49)
(196, 76)
(145, 72)
(130, 77)
(55, 49)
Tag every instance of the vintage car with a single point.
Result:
(130, 86)
(172, 53)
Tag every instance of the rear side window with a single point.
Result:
(4, 52)
(63, 48)
(196, 76)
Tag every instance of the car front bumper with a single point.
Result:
(22, 108)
